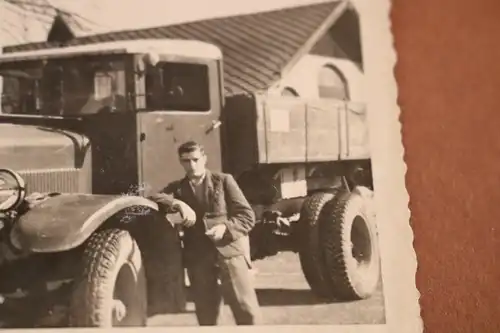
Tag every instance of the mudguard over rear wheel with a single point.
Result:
(111, 290)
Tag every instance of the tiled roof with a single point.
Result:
(256, 47)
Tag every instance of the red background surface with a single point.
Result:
(449, 91)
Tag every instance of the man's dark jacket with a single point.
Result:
(222, 196)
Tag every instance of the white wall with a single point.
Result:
(304, 77)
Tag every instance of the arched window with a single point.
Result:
(287, 91)
(332, 83)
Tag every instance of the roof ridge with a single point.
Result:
(319, 3)
(220, 18)
(267, 11)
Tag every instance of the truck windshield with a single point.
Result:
(63, 87)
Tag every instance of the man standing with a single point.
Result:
(215, 238)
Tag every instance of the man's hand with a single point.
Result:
(171, 205)
(217, 232)
(186, 212)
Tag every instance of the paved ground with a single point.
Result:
(286, 299)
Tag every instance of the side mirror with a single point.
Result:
(147, 59)
(151, 58)
(12, 190)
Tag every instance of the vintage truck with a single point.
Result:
(89, 131)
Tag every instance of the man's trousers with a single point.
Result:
(236, 289)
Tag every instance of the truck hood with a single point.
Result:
(29, 147)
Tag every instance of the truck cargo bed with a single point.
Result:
(273, 129)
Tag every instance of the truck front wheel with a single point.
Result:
(111, 289)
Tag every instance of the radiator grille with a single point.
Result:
(54, 180)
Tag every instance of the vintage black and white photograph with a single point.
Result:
(187, 164)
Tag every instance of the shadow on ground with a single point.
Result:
(278, 297)
(282, 297)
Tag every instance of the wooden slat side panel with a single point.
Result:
(357, 132)
(276, 129)
(284, 130)
(323, 132)
(260, 102)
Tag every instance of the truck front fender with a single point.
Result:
(65, 221)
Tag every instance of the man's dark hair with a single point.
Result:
(188, 147)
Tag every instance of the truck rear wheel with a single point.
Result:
(111, 290)
(310, 249)
(351, 252)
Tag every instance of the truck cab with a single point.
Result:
(87, 132)
(107, 118)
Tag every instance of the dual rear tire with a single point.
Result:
(338, 247)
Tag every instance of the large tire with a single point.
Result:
(310, 249)
(112, 279)
(350, 247)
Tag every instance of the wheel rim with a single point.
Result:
(361, 244)
(126, 309)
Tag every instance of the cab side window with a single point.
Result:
(178, 87)
(21, 90)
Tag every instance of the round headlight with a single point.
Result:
(12, 190)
